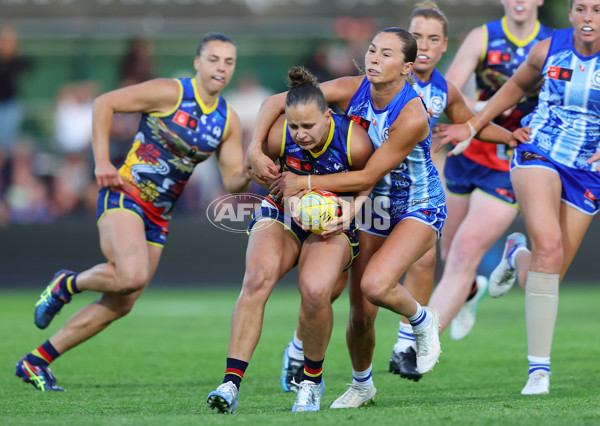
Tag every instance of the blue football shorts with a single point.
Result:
(463, 176)
(580, 188)
(382, 226)
(111, 200)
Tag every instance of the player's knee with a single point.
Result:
(314, 296)
(375, 289)
(258, 280)
(548, 252)
(130, 280)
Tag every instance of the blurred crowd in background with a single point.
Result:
(44, 180)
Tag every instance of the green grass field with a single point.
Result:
(157, 366)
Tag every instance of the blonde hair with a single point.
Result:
(430, 10)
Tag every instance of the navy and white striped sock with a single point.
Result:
(406, 338)
(363, 379)
(420, 320)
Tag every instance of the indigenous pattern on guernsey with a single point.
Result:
(168, 147)
(502, 55)
(434, 93)
(334, 157)
(412, 185)
(565, 126)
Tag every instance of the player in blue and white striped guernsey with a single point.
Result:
(429, 27)
(555, 176)
(479, 195)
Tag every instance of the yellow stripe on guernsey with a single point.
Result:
(283, 138)
(226, 120)
(206, 110)
(121, 198)
(329, 139)
(516, 41)
(158, 114)
(485, 43)
(348, 143)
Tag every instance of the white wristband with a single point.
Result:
(472, 129)
(479, 105)
(309, 185)
(461, 146)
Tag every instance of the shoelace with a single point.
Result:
(45, 296)
(306, 394)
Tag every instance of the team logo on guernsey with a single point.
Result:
(186, 120)
(297, 164)
(437, 105)
(364, 123)
(559, 73)
(496, 57)
(596, 81)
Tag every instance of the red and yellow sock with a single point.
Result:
(313, 370)
(43, 355)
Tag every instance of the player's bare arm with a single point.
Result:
(525, 80)
(230, 157)
(159, 95)
(466, 60)
(401, 141)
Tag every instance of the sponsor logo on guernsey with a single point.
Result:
(559, 73)
(496, 57)
(213, 142)
(186, 120)
(297, 164)
(361, 122)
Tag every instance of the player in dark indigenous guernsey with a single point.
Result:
(311, 141)
(481, 201)
(184, 121)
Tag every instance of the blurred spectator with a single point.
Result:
(122, 131)
(318, 64)
(138, 63)
(245, 99)
(73, 136)
(73, 116)
(12, 69)
(27, 197)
